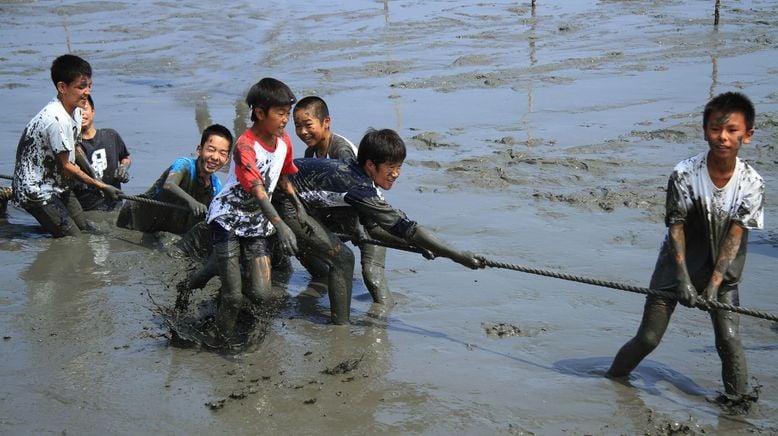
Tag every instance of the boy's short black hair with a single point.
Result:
(68, 68)
(381, 146)
(729, 102)
(315, 104)
(218, 130)
(267, 93)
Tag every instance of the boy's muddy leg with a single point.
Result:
(201, 276)
(55, 218)
(373, 259)
(340, 282)
(656, 316)
(317, 268)
(726, 328)
(75, 210)
(316, 241)
(197, 279)
(231, 295)
(258, 274)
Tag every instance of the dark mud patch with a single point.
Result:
(430, 141)
(608, 199)
(344, 367)
(505, 330)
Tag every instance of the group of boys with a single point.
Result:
(307, 204)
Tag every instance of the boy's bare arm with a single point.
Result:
(172, 185)
(69, 169)
(285, 235)
(727, 253)
(687, 294)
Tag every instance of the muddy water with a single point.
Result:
(540, 137)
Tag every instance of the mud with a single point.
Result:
(540, 136)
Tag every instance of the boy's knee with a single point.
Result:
(648, 340)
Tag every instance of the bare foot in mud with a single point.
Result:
(737, 404)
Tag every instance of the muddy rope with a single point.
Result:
(706, 306)
(132, 198)
(153, 202)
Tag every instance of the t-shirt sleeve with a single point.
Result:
(60, 136)
(750, 211)
(246, 170)
(372, 208)
(678, 200)
(121, 148)
(289, 167)
(180, 165)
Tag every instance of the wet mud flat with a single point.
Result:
(536, 136)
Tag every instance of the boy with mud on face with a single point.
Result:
(242, 216)
(713, 199)
(46, 161)
(351, 188)
(312, 126)
(188, 182)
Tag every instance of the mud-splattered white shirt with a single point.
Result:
(50, 132)
(707, 213)
(235, 208)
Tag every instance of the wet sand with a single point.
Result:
(539, 137)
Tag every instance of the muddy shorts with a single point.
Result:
(256, 246)
(60, 215)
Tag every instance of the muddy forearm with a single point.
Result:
(727, 254)
(69, 169)
(678, 243)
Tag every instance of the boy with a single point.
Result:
(242, 217)
(45, 157)
(312, 126)
(713, 199)
(351, 188)
(107, 155)
(188, 182)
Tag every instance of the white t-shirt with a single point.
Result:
(707, 213)
(36, 174)
(234, 208)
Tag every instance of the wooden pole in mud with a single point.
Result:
(716, 13)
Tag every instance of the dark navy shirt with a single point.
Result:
(339, 191)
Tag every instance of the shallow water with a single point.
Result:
(540, 137)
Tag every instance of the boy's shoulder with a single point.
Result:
(51, 112)
(341, 147)
(691, 164)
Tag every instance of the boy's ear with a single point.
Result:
(326, 122)
(61, 87)
(259, 113)
(747, 137)
(199, 149)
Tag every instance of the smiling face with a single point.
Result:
(213, 154)
(87, 116)
(311, 130)
(383, 174)
(726, 133)
(271, 123)
(75, 93)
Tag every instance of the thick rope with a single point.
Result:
(707, 306)
(152, 201)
